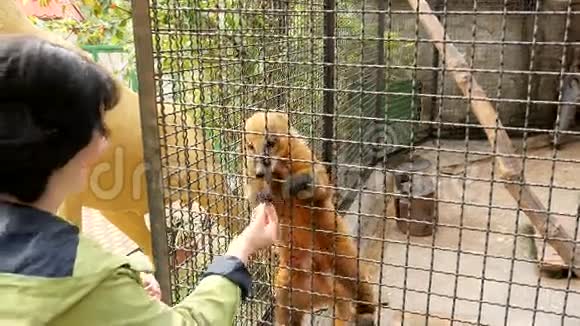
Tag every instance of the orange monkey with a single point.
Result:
(310, 230)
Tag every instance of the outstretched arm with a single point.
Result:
(121, 300)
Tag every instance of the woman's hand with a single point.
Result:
(151, 285)
(261, 233)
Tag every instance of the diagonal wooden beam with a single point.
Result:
(510, 168)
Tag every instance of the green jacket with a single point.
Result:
(52, 275)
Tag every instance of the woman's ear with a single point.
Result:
(97, 147)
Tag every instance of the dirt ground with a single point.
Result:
(483, 267)
(467, 270)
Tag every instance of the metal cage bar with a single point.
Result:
(151, 144)
(329, 81)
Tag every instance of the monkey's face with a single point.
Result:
(267, 154)
(267, 147)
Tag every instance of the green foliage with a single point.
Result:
(107, 22)
(200, 50)
(214, 64)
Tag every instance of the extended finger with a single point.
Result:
(275, 231)
(258, 210)
(272, 222)
(259, 213)
(271, 213)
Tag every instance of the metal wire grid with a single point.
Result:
(479, 266)
(215, 63)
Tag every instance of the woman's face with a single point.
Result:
(95, 149)
(85, 159)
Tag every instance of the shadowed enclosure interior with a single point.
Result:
(492, 230)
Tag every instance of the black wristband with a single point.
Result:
(234, 270)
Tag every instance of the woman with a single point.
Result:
(52, 103)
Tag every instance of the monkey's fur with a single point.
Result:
(307, 235)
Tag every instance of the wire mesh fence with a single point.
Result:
(453, 161)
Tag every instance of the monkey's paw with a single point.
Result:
(300, 186)
(264, 197)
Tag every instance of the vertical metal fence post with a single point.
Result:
(381, 77)
(151, 145)
(329, 82)
(437, 5)
(282, 25)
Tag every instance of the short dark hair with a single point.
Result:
(52, 101)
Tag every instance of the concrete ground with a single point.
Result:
(98, 228)
(483, 268)
(108, 235)
(458, 273)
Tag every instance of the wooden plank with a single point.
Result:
(510, 168)
(551, 261)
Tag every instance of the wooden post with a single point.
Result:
(509, 167)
